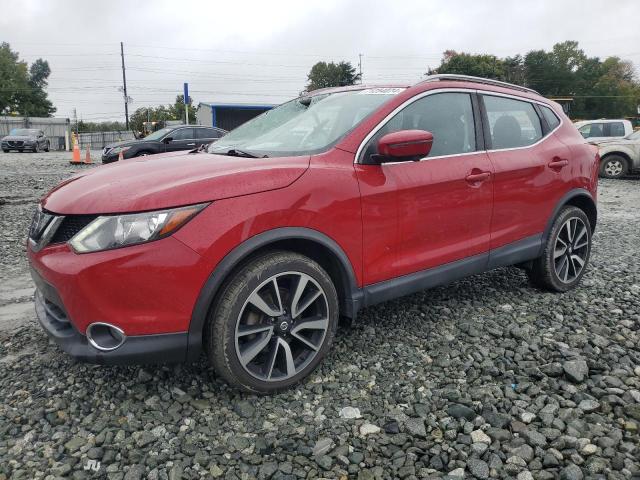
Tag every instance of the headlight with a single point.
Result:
(115, 231)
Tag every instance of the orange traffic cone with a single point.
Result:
(87, 158)
(75, 160)
(120, 156)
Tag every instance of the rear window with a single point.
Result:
(617, 129)
(550, 117)
(513, 123)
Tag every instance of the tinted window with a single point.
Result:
(448, 116)
(513, 123)
(617, 129)
(550, 117)
(207, 133)
(182, 134)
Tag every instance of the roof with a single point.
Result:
(263, 106)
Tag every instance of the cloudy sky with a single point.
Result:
(261, 51)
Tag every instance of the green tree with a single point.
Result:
(22, 89)
(161, 113)
(599, 88)
(485, 66)
(324, 75)
(178, 109)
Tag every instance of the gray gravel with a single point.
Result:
(485, 378)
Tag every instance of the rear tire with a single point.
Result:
(613, 166)
(144, 153)
(566, 253)
(291, 305)
(36, 148)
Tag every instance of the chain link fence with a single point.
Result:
(99, 140)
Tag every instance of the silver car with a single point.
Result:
(620, 156)
(21, 139)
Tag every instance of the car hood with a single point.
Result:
(618, 141)
(170, 180)
(14, 138)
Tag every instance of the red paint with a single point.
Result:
(406, 143)
(389, 219)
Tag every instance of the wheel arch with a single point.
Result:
(580, 198)
(305, 241)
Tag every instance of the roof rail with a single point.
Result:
(469, 78)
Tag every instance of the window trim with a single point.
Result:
(181, 139)
(482, 122)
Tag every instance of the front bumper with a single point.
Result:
(140, 349)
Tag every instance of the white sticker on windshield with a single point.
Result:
(381, 91)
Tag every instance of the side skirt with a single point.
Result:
(517, 252)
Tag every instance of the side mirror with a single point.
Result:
(404, 146)
(166, 140)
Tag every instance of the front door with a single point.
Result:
(420, 215)
(182, 139)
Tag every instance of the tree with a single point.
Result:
(22, 88)
(485, 66)
(598, 88)
(161, 113)
(324, 75)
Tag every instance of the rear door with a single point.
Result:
(532, 168)
(206, 135)
(419, 215)
(182, 139)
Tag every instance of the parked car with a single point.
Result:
(597, 130)
(334, 201)
(21, 139)
(169, 139)
(620, 157)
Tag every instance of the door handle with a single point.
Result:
(558, 163)
(478, 177)
(191, 144)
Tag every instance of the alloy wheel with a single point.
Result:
(571, 250)
(281, 326)
(614, 168)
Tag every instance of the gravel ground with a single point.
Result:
(486, 377)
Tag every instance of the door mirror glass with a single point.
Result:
(404, 145)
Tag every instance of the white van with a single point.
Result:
(596, 130)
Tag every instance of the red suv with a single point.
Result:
(334, 201)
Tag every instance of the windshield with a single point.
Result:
(159, 134)
(304, 126)
(23, 132)
(634, 136)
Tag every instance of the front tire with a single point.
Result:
(36, 148)
(47, 147)
(273, 322)
(613, 166)
(566, 252)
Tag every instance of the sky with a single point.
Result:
(261, 51)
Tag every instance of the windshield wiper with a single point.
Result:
(236, 152)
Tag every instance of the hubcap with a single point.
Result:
(281, 326)
(571, 250)
(613, 168)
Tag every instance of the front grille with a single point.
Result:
(71, 225)
(16, 143)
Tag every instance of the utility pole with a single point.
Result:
(360, 66)
(124, 87)
(75, 119)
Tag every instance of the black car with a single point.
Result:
(167, 139)
(22, 139)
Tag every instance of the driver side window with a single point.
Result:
(448, 116)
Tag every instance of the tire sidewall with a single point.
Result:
(225, 338)
(609, 159)
(563, 217)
